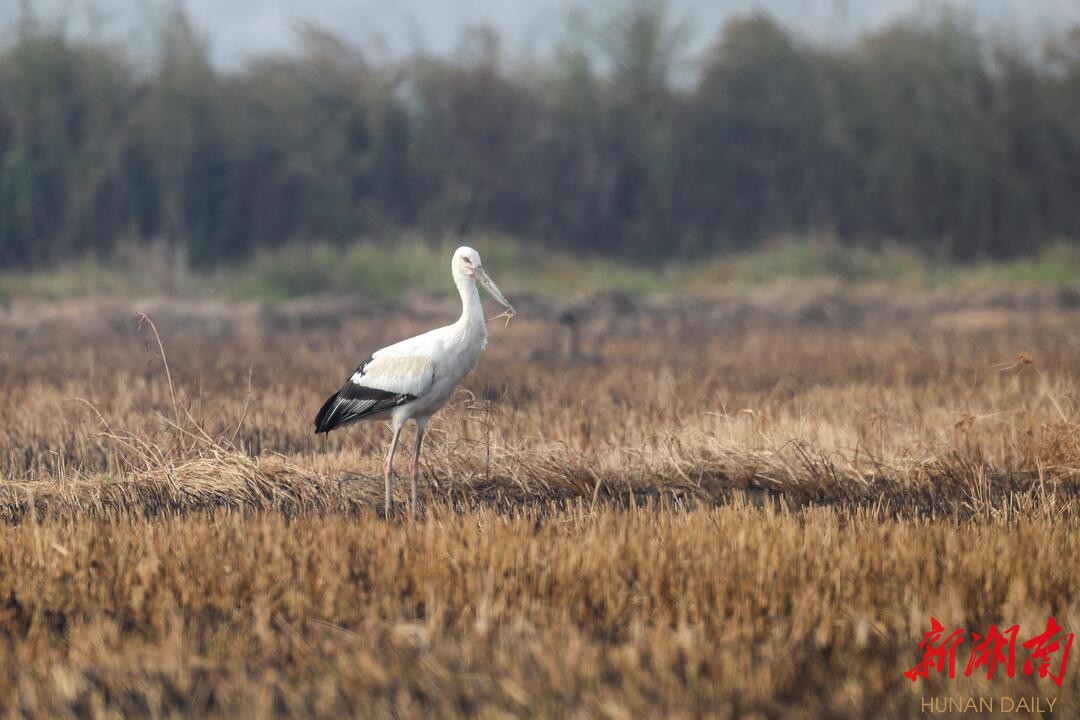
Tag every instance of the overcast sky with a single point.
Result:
(238, 29)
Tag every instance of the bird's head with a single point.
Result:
(466, 263)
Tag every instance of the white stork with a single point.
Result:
(413, 379)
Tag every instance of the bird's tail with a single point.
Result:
(356, 402)
(327, 419)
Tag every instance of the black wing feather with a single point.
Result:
(354, 402)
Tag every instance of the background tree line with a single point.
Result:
(926, 133)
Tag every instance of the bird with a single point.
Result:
(414, 378)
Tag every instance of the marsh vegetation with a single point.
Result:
(692, 519)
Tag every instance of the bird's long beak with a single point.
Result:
(492, 288)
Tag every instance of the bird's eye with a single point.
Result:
(467, 261)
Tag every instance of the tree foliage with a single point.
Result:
(927, 134)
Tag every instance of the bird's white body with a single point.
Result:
(432, 365)
(414, 378)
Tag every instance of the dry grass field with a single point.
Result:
(694, 520)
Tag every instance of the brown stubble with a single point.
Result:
(718, 522)
(713, 611)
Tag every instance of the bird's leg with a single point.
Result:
(414, 466)
(389, 469)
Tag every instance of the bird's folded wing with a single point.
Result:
(380, 384)
(398, 374)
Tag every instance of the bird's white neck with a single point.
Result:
(472, 310)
